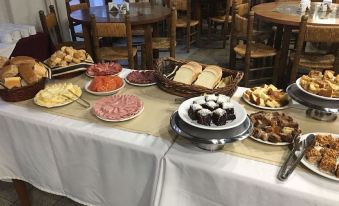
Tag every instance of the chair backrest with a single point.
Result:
(240, 19)
(173, 31)
(50, 23)
(182, 5)
(84, 4)
(113, 30)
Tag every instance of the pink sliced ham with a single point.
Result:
(118, 107)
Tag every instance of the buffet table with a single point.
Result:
(68, 151)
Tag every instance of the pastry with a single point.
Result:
(66, 56)
(313, 155)
(204, 117)
(192, 111)
(219, 117)
(22, 60)
(40, 70)
(27, 73)
(9, 71)
(12, 82)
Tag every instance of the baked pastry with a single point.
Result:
(328, 164)
(27, 73)
(9, 71)
(204, 117)
(313, 155)
(209, 77)
(22, 60)
(66, 56)
(12, 82)
(193, 110)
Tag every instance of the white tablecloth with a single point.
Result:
(6, 49)
(91, 164)
(194, 177)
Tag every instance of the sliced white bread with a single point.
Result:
(209, 77)
(186, 74)
(196, 66)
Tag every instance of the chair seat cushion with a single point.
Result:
(114, 53)
(161, 43)
(182, 22)
(315, 61)
(221, 19)
(258, 50)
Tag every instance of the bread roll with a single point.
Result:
(40, 70)
(9, 71)
(186, 74)
(22, 60)
(27, 73)
(11, 82)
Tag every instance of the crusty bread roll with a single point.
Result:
(40, 70)
(27, 73)
(186, 74)
(22, 60)
(11, 82)
(9, 71)
(209, 77)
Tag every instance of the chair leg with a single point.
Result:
(188, 39)
(209, 29)
(143, 57)
(247, 70)
(135, 61)
(198, 36)
(275, 69)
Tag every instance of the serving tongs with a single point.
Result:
(84, 103)
(289, 165)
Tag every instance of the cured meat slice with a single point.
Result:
(141, 77)
(118, 107)
(104, 69)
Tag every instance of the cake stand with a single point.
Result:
(210, 140)
(319, 109)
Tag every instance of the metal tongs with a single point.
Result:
(289, 166)
(84, 103)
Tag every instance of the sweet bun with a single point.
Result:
(27, 73)
(9, 71)
(22, 60)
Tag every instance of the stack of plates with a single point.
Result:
(211, 137)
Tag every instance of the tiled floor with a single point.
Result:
(37, 197)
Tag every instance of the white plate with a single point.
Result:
(92, 76)
(139, 85)
(315, 95)
(120, 120)
(314, 167)
(239, 112)
(103, 93)
(270, 143)
(58, 105)
(266, 108)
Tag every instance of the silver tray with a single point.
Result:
(330, 106)
(209, 139)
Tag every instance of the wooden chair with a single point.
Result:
(113, 30)
(242, 26)
(185, 22)
(224, 20)
(165, 43)
(51, 27)
(84, 4)
(314, 34)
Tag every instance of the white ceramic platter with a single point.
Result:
(270, 143)
(120, 120)
(315, 95)
(266, 108)
(137, 84)
(103, 93)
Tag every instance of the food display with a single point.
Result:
(3, 61)
(323, 85)
(66, 56)
(141, 78)
(22, 71)
(105, 83)
(104, 69)
(118, 107)
(266, 96)
(324, 154)
(274, 128)
(57, 95)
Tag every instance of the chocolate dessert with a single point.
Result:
(204, 117)
(192, 112)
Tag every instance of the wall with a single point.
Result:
(4, 16)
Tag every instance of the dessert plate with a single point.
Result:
(266, 108)
(239, 112)
(270, 143)
(314, 167)
(103, 93)
(315, 95)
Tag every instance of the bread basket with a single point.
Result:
(165, 66)
(23, 93)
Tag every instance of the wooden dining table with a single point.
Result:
(286, 16)
(142, 16)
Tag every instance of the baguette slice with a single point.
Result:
(186, 74)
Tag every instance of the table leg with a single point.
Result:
(21, 190)
(284, 56)
(278, 37)
(88, 40)
(148, 46)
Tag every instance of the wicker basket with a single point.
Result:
(165, 66)
(23, 93)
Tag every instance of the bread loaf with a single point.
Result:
(22, 60)
(9, 71)
(40, 70)
(209, 77)
(186, 74)
(27, 73)
(11, 82)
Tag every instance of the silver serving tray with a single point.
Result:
(210, 139)
(330, 106)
